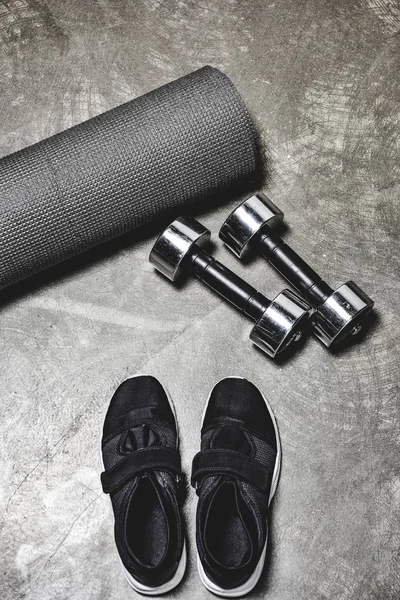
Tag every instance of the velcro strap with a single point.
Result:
(146, 459)
(230, 462)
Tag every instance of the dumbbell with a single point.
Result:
(338, 313)
(278, 323)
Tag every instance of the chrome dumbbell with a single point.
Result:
(338, 313)
(278, 323)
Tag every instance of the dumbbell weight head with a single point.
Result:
(247, 220)
(342, 314)
(173, 246)
(278, 323)
(282, 324)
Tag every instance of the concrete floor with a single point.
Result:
(322, 81)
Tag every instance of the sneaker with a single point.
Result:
(141, 473)
(235, 476)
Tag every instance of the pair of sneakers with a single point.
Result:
(235, 475)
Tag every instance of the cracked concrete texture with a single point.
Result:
(321, 79)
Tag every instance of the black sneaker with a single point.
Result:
(142, 473)
(235, 475)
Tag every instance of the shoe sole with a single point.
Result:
(246, 587)
(162, 589)
(179, 573)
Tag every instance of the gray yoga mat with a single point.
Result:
(169, 148)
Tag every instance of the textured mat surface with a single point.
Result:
(121, 169)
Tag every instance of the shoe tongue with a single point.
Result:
(231, 438)
(138, 437)
(143, 436)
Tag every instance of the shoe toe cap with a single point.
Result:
(240, 399)
(142, 391)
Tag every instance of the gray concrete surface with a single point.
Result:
(322, 80)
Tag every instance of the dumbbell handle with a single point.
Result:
(227, 284)
(293, 267)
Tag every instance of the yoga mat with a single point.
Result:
(169, 148)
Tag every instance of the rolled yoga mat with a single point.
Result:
(171, 147)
